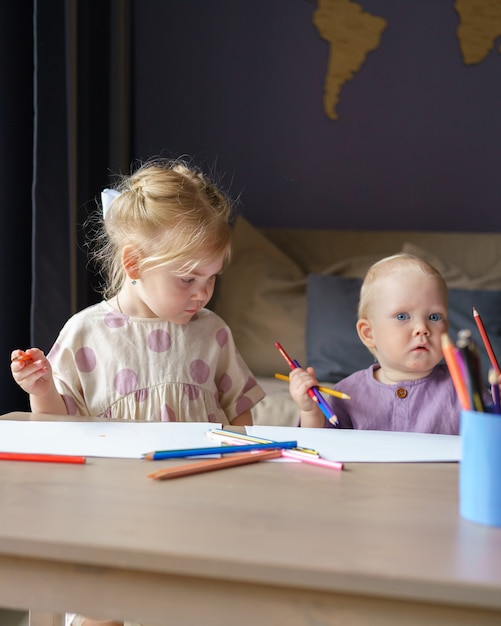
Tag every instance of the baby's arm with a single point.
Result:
(32, 372)
(300, 381)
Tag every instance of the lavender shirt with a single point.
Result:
(427, 405)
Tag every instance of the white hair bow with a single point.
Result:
(107, 197)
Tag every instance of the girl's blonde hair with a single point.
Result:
(168, 213)
(389, 265)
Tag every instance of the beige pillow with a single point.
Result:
(352, 267)
(262, 298)
(454, 276)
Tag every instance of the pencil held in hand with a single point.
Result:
(23, 357)
(327, 390)
(313, 392)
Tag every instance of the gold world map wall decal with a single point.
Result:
(352, 33)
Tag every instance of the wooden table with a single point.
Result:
(269, 543)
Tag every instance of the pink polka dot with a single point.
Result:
(251, 382)
(199, 371)
(225, 383)
(222, 337)
(71, 405)
(114, 319)
(167, 414)
(126, 381)
(159, 340)
(141, 395)
(85, 359)
(191, 391)
(212, 418)
(244, 404)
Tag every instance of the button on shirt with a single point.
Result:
(426, 405)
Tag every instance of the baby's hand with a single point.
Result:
(32, 371)
(300, 381)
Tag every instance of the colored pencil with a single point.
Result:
(312, 460)
(313, 392)
(219, 433)
(233, 438)
(471, 359)
(23, 357)
(486, 340)
(327, 390)
(496, 396)
(307, 455)
(44, 458)
(159, 455)
(451, 359)
(214, 464)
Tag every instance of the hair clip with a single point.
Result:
(107, 197)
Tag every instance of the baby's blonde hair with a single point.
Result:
(389, 265)
(169, 213)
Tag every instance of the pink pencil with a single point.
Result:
(313, 460)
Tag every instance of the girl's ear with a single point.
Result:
(130, 261)
(364, 330)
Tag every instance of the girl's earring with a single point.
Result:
(134, 281)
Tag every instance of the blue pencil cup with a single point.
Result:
(480, 468)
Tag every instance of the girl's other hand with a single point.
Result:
(31, 370)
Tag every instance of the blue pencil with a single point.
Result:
(179, 454)
(324, 407)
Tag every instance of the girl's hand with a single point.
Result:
(32, 371)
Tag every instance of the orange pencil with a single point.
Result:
(485, 339)
(449, 351)
(23, 357)
(44, 458)
(215, 464)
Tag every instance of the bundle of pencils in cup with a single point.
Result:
(463, 361)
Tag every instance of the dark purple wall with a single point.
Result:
(239, 87)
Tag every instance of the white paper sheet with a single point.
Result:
(128, 440)
(354, 446)
(133, 439)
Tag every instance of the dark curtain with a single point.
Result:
(66, 124)
(16, 130)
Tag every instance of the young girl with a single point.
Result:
(150, 350)
(402, 315)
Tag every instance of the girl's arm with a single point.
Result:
(244, 419)
(32, 372)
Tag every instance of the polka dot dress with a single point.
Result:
(111, 365)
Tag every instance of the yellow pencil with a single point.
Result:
(330, 392)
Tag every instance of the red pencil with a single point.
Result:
(485, 339)
(44, 458)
